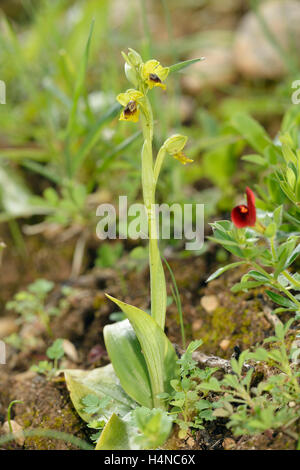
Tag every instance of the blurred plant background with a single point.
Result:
(62, 149)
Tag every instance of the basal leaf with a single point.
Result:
(101, 382)
(128, 361)
(118, 434)
(158, 351)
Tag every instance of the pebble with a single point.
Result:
(210, 303)
(224, 344)
(190, 442)
(70, 350)
(16, 428)
(229, 443)
(254, 54)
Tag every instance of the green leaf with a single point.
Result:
(109, 159)
(79, 84)
(41, 287)
(270, 231)
(93, 136)
(118, 434)
(223, 269)
(280, 300)
(293, 256)
(182, 65)
(277, 215)
(254, 158)
(56, 351)
(158, 351)
(212, 385)
(246, 285)
(288, 154)
(155, 426)
(252, 131)
(101, 382)
(128, 361)
(258, 276)
(193, 346)
(92, 403)
(42, 170)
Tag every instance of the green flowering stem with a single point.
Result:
(158, 162)
(157, 276)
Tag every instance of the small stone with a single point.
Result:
(209, 303)
(229, 443)
(7, 326)
(224, 344)
(16, 429)
(190, 442)
(254, 54)
(197, 325)
(70, 350)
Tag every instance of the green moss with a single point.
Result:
(234, 321)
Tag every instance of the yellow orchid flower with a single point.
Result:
(154, 74)
(182, 158)
(130, 100)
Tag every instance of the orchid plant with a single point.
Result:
(143, 360)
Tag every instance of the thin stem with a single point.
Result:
(157, 277)
(14, 402)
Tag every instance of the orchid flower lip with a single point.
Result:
(155, 78)
(130, 100)
(131, 107)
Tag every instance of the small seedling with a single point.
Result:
(55, 352)
(189, 408)
(31, 304)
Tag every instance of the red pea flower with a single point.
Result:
(245, 216)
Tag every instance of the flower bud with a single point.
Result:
(134, 57)
(131, 74)
(175, 144)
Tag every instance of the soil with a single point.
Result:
(211, 312)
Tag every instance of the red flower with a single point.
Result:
(245, 216)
